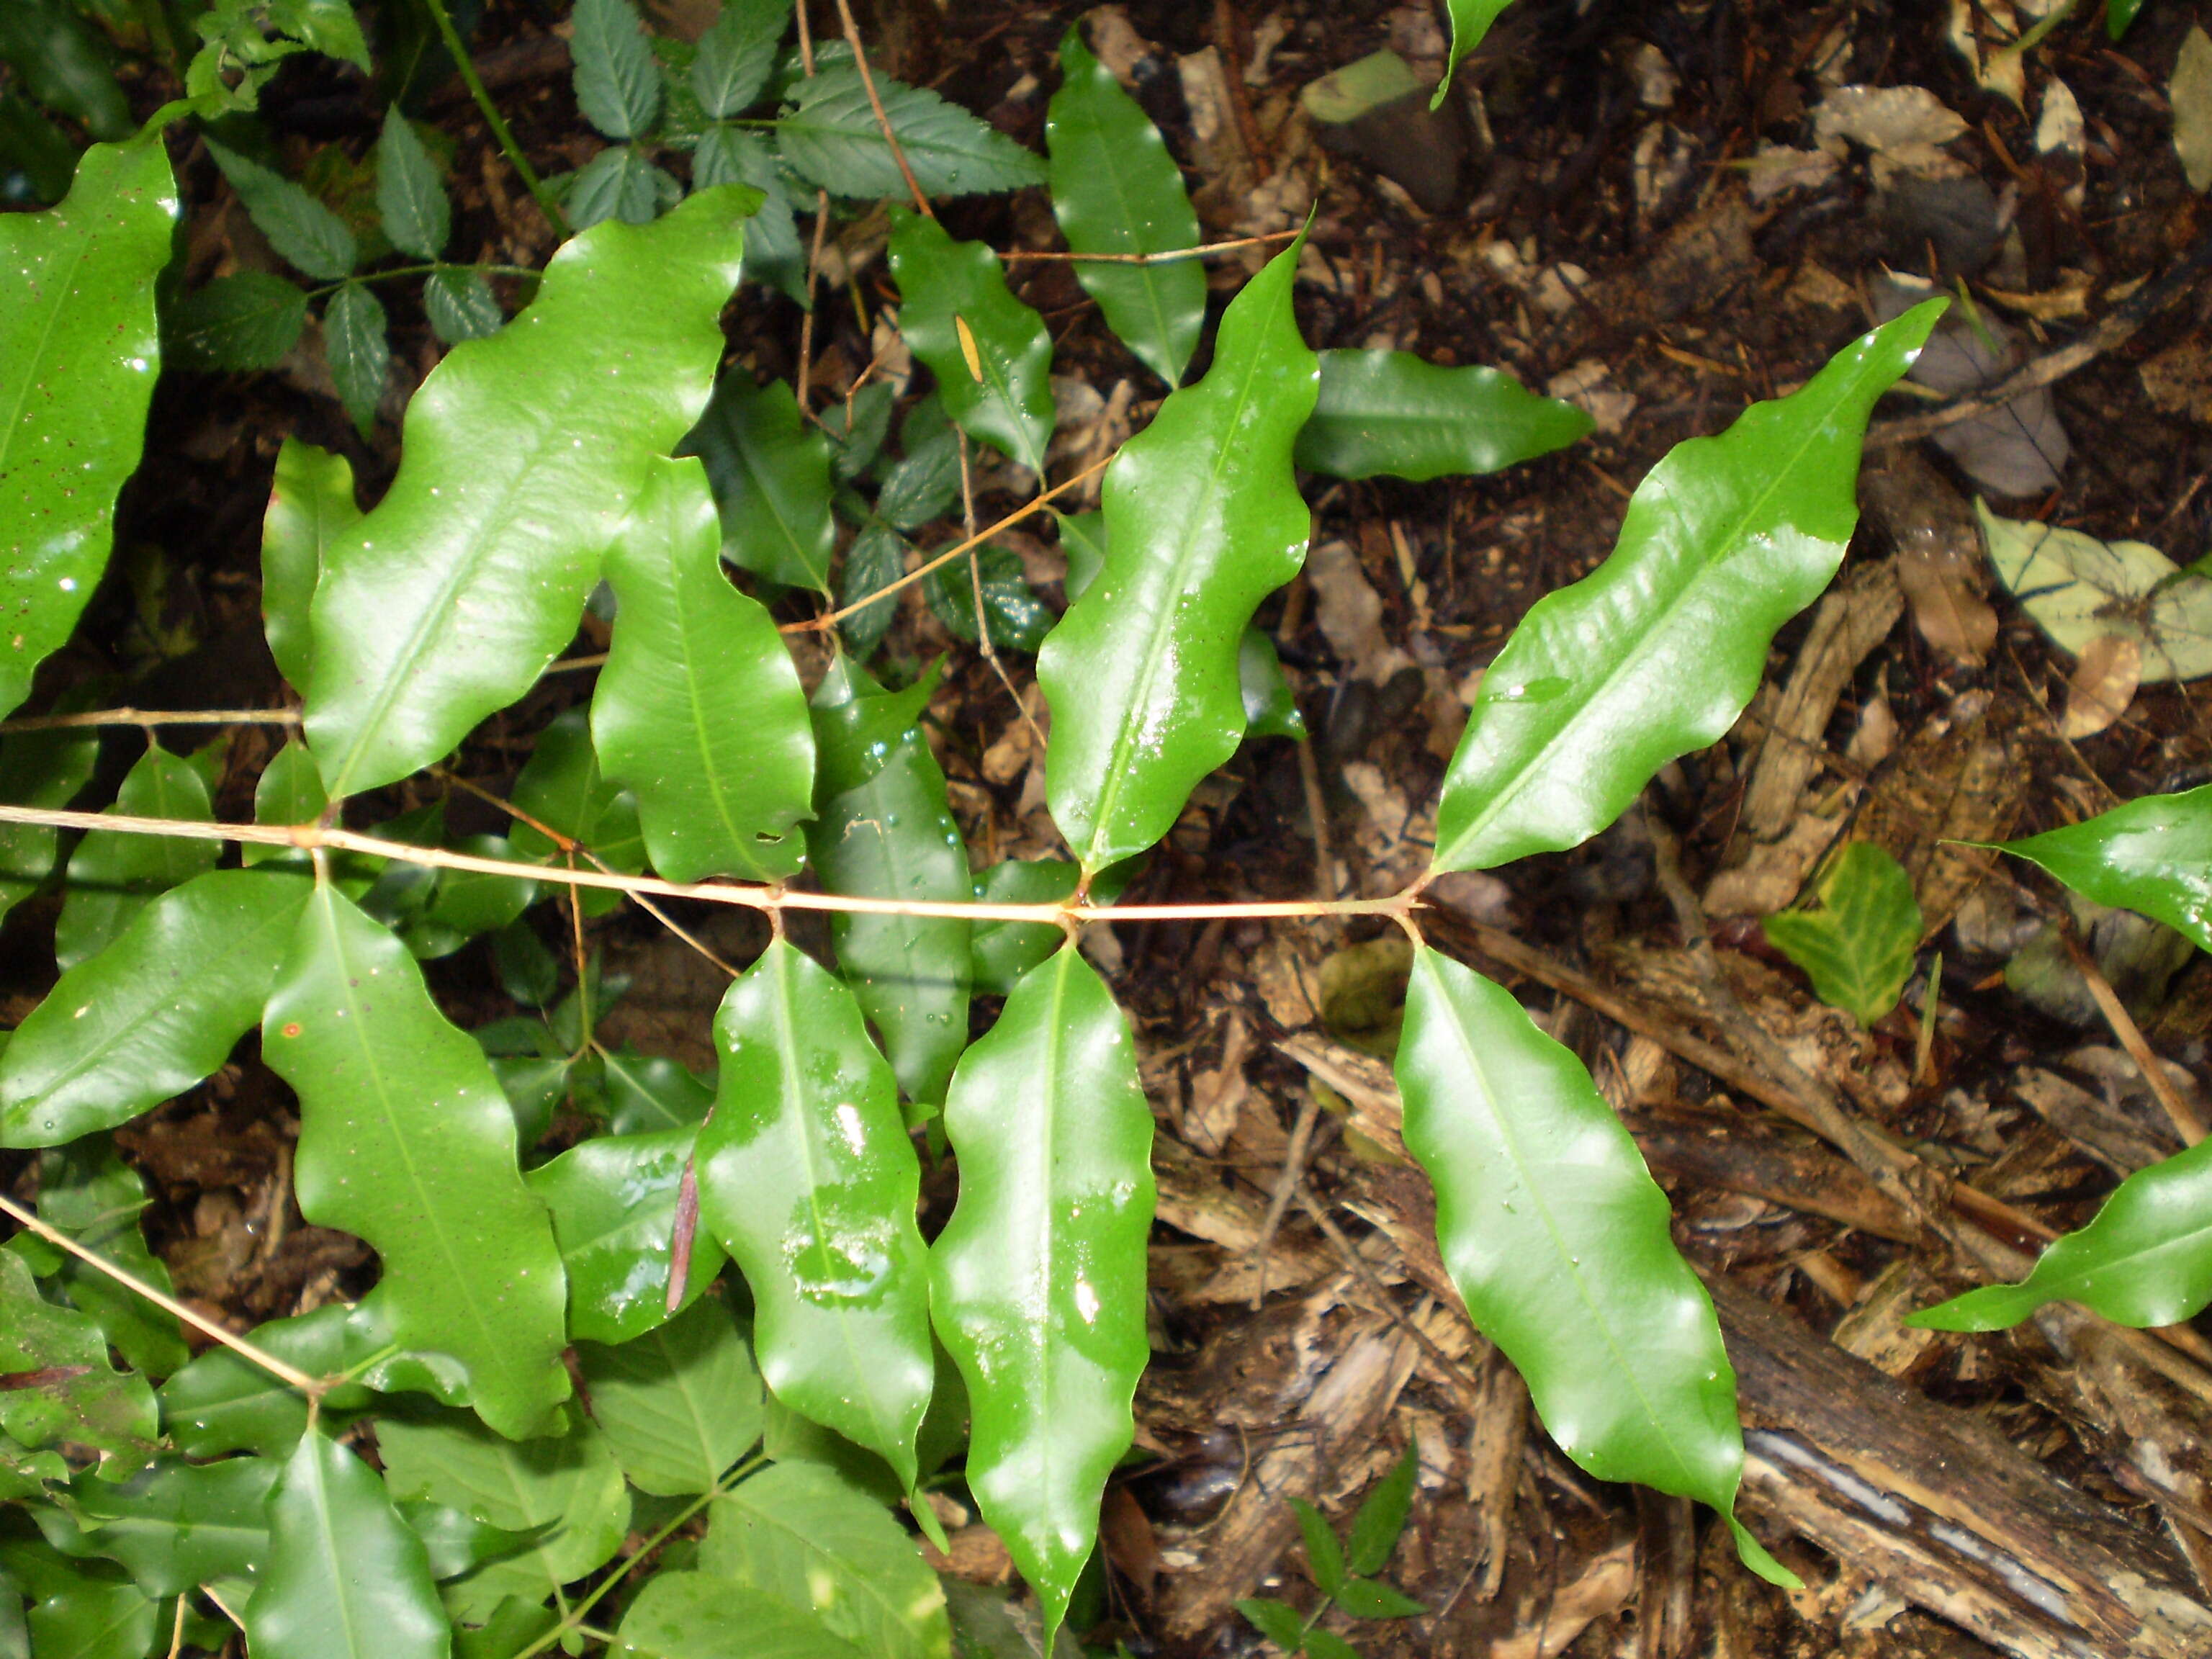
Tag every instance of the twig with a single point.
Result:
(1165, 257)
(1287, 1183)
(505, 138)
(314, 1388)
(876, 103)
(1361, 1270)
(152, 717)
(975, 585)
(2178, 1112)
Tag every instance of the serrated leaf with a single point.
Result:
(774, 253)
(1656, 652)
(1116, 189)
(613, 1201)
(990, 353)
(306, 235)
(1203, 521)
(523, 452)
(91, 1195)
(771, 476)
(925, 482)
(1381, 1518)
(890, 833)
(619, 183)
(461, 305)
(2082, 588)
(1470, 22)
(831, 137)
(567, 1490)
(311, 504)
(617, 87)
(78, 356)
(2143, 1259)
(797, 1533)
(807, 1176)
(247, 320)
(411, 197)
(2149, 855)
(1858, 946)
(113, 874)
(696, 1615)
(177, 1526)
(1277, 1621)
(38, 769)
(699, 708)
(678, 1405)
(73, 1394)
(1038, 1278)
(222, 1402)
(737, 56)
(1018, 619)
(406, 1141)
(1557, 1238)
(1369, 1598)
(875, 559)
(1324, 1556)
(354, 339)
(1391, 413)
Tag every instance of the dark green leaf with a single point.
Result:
(1116, 189)
(64, 66)
(1002, 952)
(306, 235)
(461, 305)
(678, 1405)
(1390, 412)
(456, 1541)
(410, 198)
(771, 481)
(176, 1526)
(247, 320)
(774, 253)
(1367, 1598)
(617, 87)
(832, 138)
(926, 485)
(311, 504)
(1470, 22)
(1279, 1621)
(858, 427)
(875, 559)
(618, 183)
(560, 788)
(2118, 15)
(41, 155)
(38, 769)
(644, 1092)
(80, 1398)
(221, 1402)
(113, 874)
(1326, 1644)
(1858, 946)
(696, 1615)
(1018, 619)
(1271, 707)
(613, 1200)
(96, 1620)
(2148, 855)
(1324, 1558)
(737, 55)
(990, 353)
(1381, 1518)
(360, 354)
(89, 1193)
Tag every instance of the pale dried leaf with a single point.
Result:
(2190, 93)
(2104, 684)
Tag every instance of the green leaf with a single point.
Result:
(567, 1490)
(2149, 855)
(1369, 1598)
(622, 184)
(1203, 520)
(113, 874)
(247, 320)
(806, 1176)
(2118, 15)
(770, 475)
(617, 87)
(289, 791)
(1470, 22)
(1327, 1645)
(1390, 412)
(699, 708)
(1018, 619)
(830, 137)
(94, 1619)
(410, 198)
(646, 1092)
(797, 1532)
(72, 1393)
(177, 1526)
(990, 353)
(306, 235)
(1116, 189)
(891, 834)
(222, 1402)
(1279, 1621)
(89, 1193)
(678, 1405)
(924, 485)
(1271, 707)
(63, 64)
(1557, 1238)
(361, 355)
(1656, 652)
(461, 305)
(457, 1542)
(560, 787)
(78, 356)
(613, 1200)
(875, 559)
(1002, 952)
(311, 504)
(774, 253)
(41, 155)
(1324, 1557)
(695, 1615)
(346, 1577)
(1858, 946)
(406, 1141)
(1382, 1519)
(523, 454)
(1039, 1277)
(737, 56)
(38, 769)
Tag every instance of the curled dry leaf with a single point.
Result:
(2104, 684)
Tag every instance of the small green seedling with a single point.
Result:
(1345, 1576)
(1858, 946)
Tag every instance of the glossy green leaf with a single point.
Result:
(770, 475)
(461, 305)
(177, 1526)
(1324, 1556)
(59, 1386)
(406, 1141)
(875, 559)
(246, 320)
(1470, 22)
(221, 1402)
(1271, 707)
(1656, 652)
(96, 1620)
(1002, 952)
(646, 1092)
(1279, 1621)
(114, 874)
(891, 834)
(456, 1541)
(306, 235)
(43, 158)
(410, 198)
(2145, 1259)
(737, 56)
(64, 66)
(153, 1013)
(311, 505)
(774, 253)
(699, 708)
(562, 788)
(346, 1577)
(1391, 413)
(990, 353)
(568, 1490)
(797, 1532)
(1381, 1518)
(523, 452)
(696, 1615)
(2118, 15)
(678, 1405)
(613, 1200)
(1039, 1276)
(1557, 1238)
(38, 769)
(1203, 521)
(78, 356)
(91, 1195)
(467, 903)
(807, 1177)
(924, 485)
(1116, 189)
(619, 183)
(617, 87)
(2153, 856)
(831, 137)
(1018, 619)
(1858, 946)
